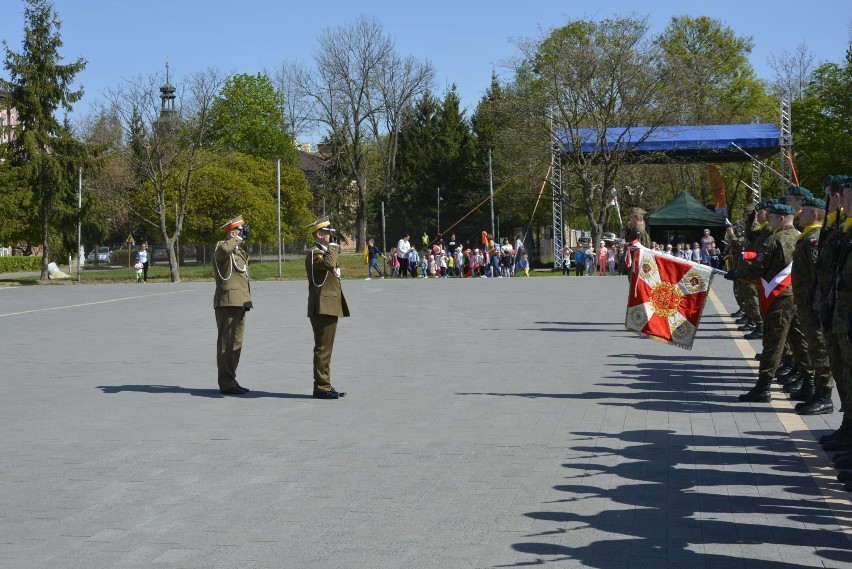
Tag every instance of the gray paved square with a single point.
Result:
(489, 423)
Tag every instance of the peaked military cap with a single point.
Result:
(321, 223)
(233, 224)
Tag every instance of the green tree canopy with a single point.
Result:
(248, 117)
(42, 149)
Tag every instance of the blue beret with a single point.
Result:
(799, 191)
(813, 202)
(782, 209)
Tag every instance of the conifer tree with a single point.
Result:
(42, 148)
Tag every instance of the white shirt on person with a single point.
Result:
(402, 248)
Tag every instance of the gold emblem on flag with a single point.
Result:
(665, 299)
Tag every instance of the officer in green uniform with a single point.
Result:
(735, 258)
(326, 303)
(795, 196)
(815, 392)
(774, 259)
(231, 301)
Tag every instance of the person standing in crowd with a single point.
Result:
(143, 257)
(374, 255)
(707, 242)
(394, 261)
(524, 264)
(603, 252)
(579, 260)
(402, 249)
(413, 261)
(566, 261)
(591, 259)
(326, 303)
(231, 301)
(780, 314)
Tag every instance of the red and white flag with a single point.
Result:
(771, 289)
(667, 297)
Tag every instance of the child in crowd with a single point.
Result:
(138, 266)
(495, 263)
(590, 260)
(459, 255)
(424, 265)
(394, 263)
(413, 261)
(525, 265)
(433, 266)
(442, 264)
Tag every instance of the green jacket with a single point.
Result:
(230, 270)
(774, 256)
(636, 234)
(804, 259)
(325, 296)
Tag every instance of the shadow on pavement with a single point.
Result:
(670, 505)
(212, 393)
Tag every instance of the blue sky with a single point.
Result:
(464, 40)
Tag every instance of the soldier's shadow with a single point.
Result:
(211, 393)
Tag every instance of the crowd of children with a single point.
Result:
(456, 261)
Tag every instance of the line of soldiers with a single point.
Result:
(793, 281)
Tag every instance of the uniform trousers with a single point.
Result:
(809, 320)
(779, 322)
(324, 328)
(230, 323)
(751, 303)
(840, 351)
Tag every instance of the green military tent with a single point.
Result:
(684, 219)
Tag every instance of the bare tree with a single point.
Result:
(344, 95)
(399, 83)
(793, 71)
(163, 143)
(296, 111)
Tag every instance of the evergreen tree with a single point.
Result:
(43, 149)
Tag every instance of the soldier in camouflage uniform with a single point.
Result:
(815, 392)
(756, 236)
(832, 300)
(775, 257)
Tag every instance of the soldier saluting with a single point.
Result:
(326, 303)
(231, 301)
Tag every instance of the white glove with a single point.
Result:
(337, 272)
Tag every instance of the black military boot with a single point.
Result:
(738, 313)
(844, 425)
(843, 441)
(747, 325)
(819, 404)
(796, 382)
(843, 462)
(806, 392)
(758, 355)
(786, 368)
(787, 375)
(743, 319)
(756, 333)
(758, 394)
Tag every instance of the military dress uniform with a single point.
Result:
(775, 256)
(231, 301)
(326, 304)
(756, 237)
(815, 392)
(840, 335)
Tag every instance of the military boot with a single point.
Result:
(738, 313)
(843, 441)
(756, 333)
(806, 391)
(742, 319)
(819, 404)
(786, 368)
(844, 425)
(758, 394)
(844, 476)
(746, 326)
(795, 384)
(844, 462)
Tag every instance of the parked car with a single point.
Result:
(102, 255)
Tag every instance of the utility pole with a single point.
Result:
(278, 176)
(80, 220)
(491, 190)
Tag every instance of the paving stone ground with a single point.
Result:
(489, 423)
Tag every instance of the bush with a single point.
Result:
(20, 264)
(119, 257)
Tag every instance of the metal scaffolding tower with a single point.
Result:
(556, 191)
(786, 141)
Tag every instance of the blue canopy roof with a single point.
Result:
(706, 143)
